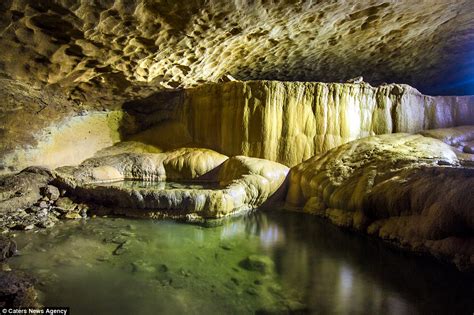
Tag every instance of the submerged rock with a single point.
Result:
(163, 268)
(120, 249)
(72, 216)
(7, 248)
(16, 290)
(258, 263)
(142, 266)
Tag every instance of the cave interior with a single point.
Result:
(311, 151)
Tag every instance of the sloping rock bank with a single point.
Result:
(412, 190)
(243, 183)
(27, 200)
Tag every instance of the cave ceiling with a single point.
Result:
(101, 51)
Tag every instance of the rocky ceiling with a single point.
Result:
(98, 51)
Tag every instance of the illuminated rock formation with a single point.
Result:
(289, 122)
(185, 163)
(286, 122)
(411, 190)
(241, 183)
(64, 61)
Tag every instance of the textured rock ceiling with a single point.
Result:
(97, 50)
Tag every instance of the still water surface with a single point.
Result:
(163, 185)
(260, 263)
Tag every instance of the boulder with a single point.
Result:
(51, 192)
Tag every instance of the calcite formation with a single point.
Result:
(289, 122)
(244, 183)
(184, 163)
(286, 122)
(412, 190)
(462, 137)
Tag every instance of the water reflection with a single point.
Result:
(272, 236)
(232, 230)
(346, 273)
(268, 233)
(177, 268)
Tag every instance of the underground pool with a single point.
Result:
(263, 262)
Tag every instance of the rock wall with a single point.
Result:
(69, 142)
(41, 126)
(289, 122)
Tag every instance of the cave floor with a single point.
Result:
(264, 261)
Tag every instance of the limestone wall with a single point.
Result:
(68, 142)
(289, 122)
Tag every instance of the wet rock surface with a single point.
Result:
(414, 191)
(258, 263)
(29, 201)
(231, 185)
(7, 248)
(51, 192)
(23, 189)
(16, 290)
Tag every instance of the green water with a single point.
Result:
(155, 185)
(297, 264)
